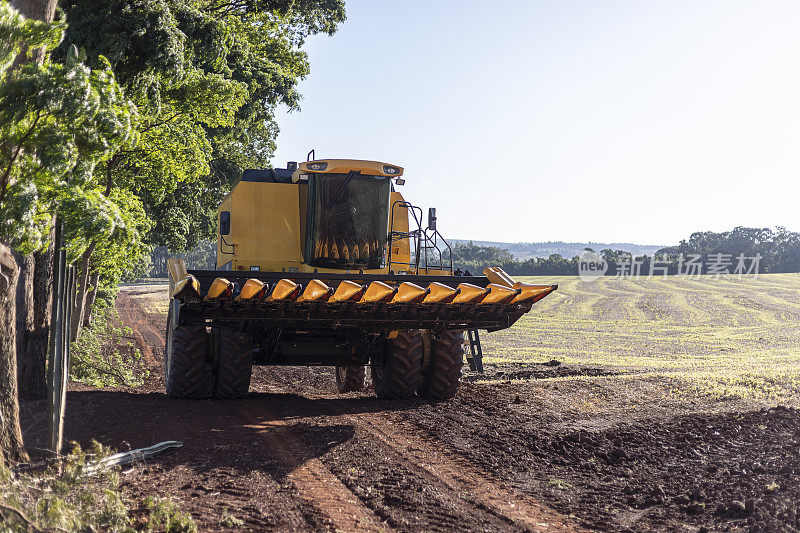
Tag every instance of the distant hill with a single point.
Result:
(525, 250)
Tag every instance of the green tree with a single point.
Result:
(57, 122)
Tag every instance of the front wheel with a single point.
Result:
(350, 378)
(401, 374)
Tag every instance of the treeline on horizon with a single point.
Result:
(778, 251)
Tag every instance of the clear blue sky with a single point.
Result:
(635, 121)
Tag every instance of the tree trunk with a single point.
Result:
(79, 307)
(94, 281)
(33, 359)
(44, 10)
(10, 431)
(36, 9)
(24, 296)
(25, 317)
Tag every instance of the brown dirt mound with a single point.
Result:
(715, 471)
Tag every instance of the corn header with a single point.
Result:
(325, 263)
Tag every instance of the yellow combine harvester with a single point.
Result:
(324, 263)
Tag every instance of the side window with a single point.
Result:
(224, 222)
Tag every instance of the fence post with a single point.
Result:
(57, 370)
(67, 303)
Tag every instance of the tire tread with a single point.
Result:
(354, 379)
(234, 365)
(403, 370)
(443, 376)
(188, 374)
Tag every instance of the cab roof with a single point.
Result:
(371, 168)
(318, 166)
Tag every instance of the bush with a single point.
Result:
(229, 521)
(72, 497)
(106, 355)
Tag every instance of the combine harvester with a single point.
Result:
(326, 264)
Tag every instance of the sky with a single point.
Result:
(618, 121)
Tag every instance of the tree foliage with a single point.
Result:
(141, 120)
(779, 248)
(105, 355)
(58, 121)
(206, 77)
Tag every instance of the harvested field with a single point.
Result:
(727, 337)
(651, 405)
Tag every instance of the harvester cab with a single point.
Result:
(325, 263)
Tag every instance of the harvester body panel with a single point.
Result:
(266, 229)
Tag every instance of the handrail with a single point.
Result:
(423, 241)
(397, 235)
(233, 246)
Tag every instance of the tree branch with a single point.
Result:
(111, 165)
(162, 122)
(5, 178)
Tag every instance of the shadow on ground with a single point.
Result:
(210, 428)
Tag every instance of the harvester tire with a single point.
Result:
(401, 375)
(350, 378)
(234, 354)
(187, 372)
(443, 375)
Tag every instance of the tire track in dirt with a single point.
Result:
(312, 479)
(469, 490)
(459, 478)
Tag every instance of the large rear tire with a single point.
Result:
(234, 353)
(401, 375)
(350, 378)
(187, 369)
(443, 375)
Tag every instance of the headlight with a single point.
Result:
(318, 166)
(387, 169)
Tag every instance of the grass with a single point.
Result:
(727, 337)
(75, 495)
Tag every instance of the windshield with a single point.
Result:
(348, 217)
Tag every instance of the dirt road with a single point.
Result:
(290, 456)
(600, 451)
